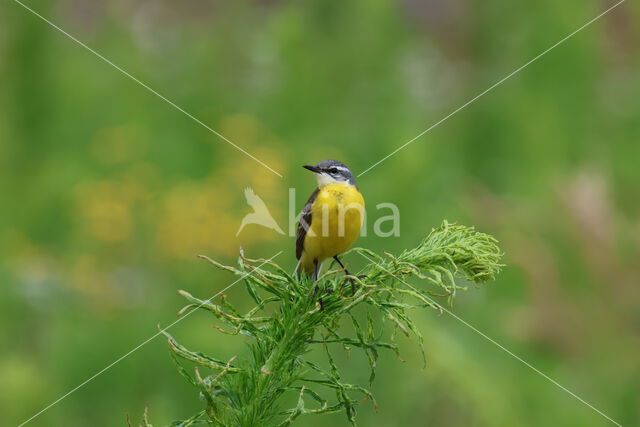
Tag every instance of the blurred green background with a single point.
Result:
(108, 193)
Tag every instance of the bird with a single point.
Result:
(331, 219)
(260, 214)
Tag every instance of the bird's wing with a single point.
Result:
(250, 195)
(253, 199)
(304, 223)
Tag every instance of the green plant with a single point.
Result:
(287, 323)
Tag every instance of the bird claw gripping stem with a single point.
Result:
(353, 284)
(317, 291)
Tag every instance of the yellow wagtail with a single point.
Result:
(331, 218)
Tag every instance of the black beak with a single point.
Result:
(313, 169)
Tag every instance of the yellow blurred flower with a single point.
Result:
(204, 216)
(195, 218)
(105, 209)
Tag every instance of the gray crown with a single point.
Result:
(337, 170)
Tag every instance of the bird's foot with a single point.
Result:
(353, 284)
(316, 291)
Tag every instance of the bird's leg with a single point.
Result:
(346, 272)
(315, 270)
(341, 265)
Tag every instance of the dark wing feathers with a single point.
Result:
(304, 223)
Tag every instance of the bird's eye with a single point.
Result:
(333, 170)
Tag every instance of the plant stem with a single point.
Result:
(250, 392)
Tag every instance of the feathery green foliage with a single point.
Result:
(290, 320)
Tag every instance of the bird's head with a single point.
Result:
(332, 172)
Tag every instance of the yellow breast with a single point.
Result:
(336, 219)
